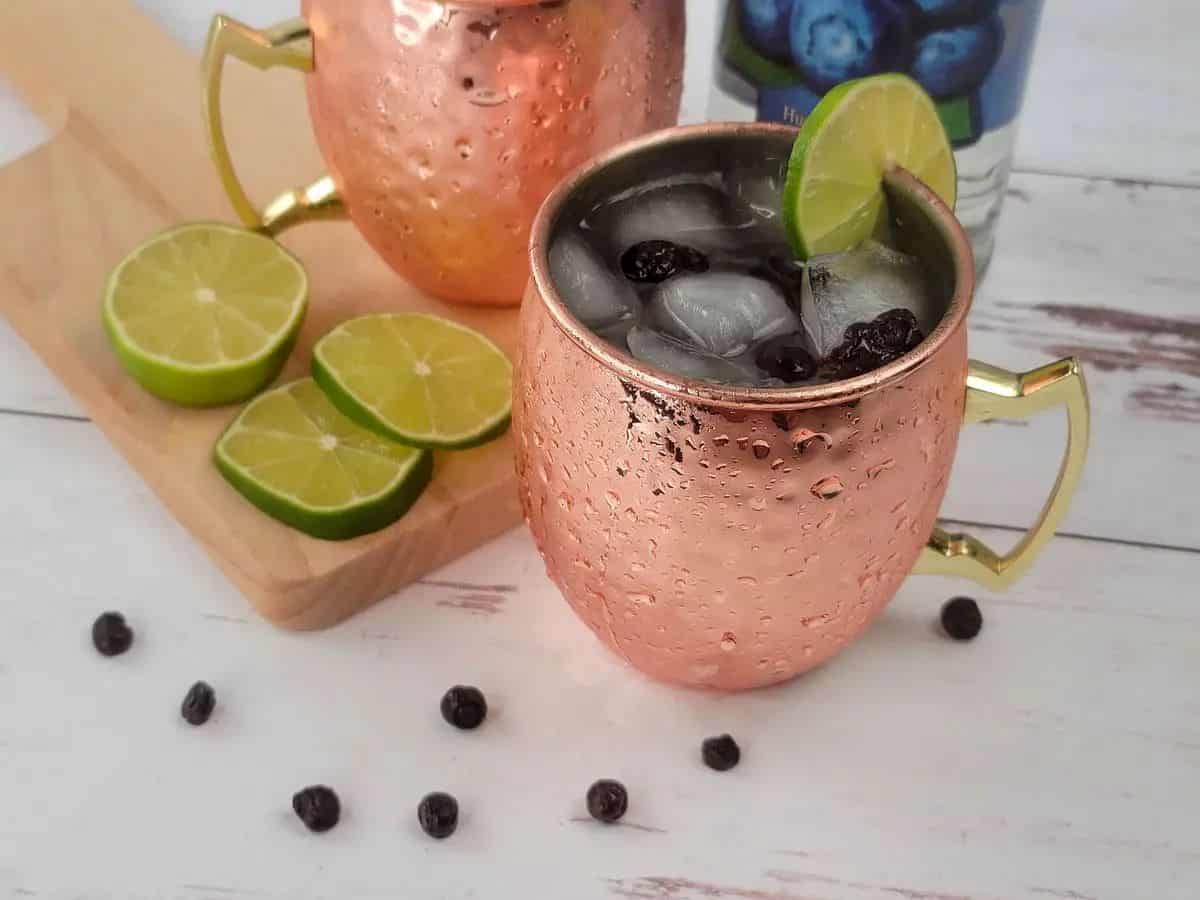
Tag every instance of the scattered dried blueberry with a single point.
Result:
(438, 815)
(464, 707)
(198, 703)
(868, 345)
(111, 635)
(651, 262)
(962, 619)
(607, 801)
(318, 807)
(721, 753)
(787, 358)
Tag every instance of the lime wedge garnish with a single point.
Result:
(417, 379)
(833, 199)
(298, 459)
(205, 314)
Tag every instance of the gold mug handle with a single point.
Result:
(994, 393)
(288, 45)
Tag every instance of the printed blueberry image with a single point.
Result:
(955, 61)
(765, 26)
(836, 40)
(928, 14)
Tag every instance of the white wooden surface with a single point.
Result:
(1056, 757)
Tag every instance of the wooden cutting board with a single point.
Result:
(128, 159)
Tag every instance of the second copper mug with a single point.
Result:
(446, 124)
(732, 537)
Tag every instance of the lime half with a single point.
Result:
(205, 314)
(833, 199)
(418, 379)
(298, 459)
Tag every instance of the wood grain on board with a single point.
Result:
(128, 158)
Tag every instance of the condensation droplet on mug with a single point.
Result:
(805, 440)
(758, 504)
(728, 642)
(565, 502)
(421, 167)
(876, 470)
(611, 498)
(828, 488)
(721, 440)
(642, 598)
(765, 621)
(748, 581)
(761, 449)
(807, 650)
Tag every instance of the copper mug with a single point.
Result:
(446, 124)
(731, 537)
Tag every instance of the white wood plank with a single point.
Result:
(1104, 271)
(26, 385)
(1056, 756)
(1113, 91)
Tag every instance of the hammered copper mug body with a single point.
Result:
(446, 124)
(734, 537)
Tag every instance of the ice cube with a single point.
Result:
(722, 313)
(859, 286)
(763, 194)
(693, 214)
(598, 296)
(670, 355)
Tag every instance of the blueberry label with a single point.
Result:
(972, 56)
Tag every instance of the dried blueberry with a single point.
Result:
(721, 753)
(866, 346)
(464, 707)
(607, 801)
(651, 262)
(318, 807)
(962, 619)
(438, 815)
(198, 703)
(787, 358)
(111, 635)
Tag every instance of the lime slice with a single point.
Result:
(417, 379)
(205, 314)
(299, 460)
(833, 199)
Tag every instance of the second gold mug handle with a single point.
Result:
(994, 393)
(287, 45)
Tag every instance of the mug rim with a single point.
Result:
(740, 397)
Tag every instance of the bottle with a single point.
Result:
(776, 58)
